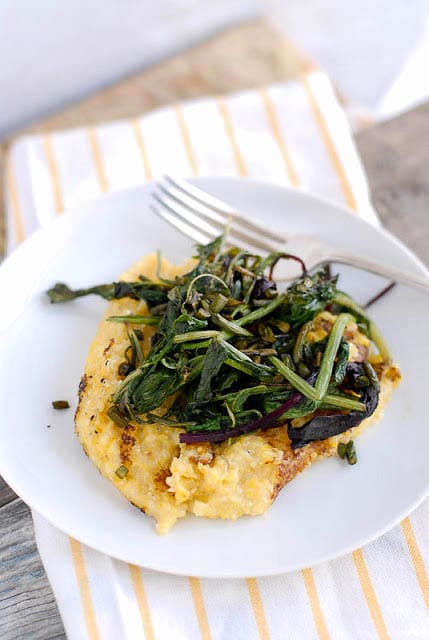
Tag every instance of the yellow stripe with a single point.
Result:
(417, 559)
(200, 610)
(369, 593)
(142, 148)
(84, 589)
(15, 205)
(316, 609)
(258, 608)
(55, 176)
(231, 136)
(307, 573)
(138, 586)
(98, 163)
(252, 584)
(194, 583)
(187, 143)
(277, 135)
(330, 147)
(358, 557)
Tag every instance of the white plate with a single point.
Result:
(327, 511)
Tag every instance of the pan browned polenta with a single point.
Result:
(167, 479)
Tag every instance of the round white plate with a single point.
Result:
(327, 511)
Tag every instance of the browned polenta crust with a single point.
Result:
(295, 461)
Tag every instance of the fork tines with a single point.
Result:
(203, 217)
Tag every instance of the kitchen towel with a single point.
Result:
(295, 134)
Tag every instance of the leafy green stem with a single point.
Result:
(331, 400)
(195, 335)
(330, 353)
(344, 300)
(147, 320)
(257, 314)
(295, 380)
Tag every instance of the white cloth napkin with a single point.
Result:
(292, 134)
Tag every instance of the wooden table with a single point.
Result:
(395, 155)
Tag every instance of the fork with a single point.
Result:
(202, 217)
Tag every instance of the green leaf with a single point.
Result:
(214, 359)
(186, 322)
(308, 296)
(152, 293)
(304, 408)
(231, 327)
(210, 251)
(238, 360)
(149, 391)
(172, 312)
(211, 424)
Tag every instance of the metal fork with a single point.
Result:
(202, 217)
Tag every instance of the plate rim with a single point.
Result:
(64, 220)
(202, 178)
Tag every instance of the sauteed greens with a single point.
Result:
(231, 353)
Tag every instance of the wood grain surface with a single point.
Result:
(395, 156)
(27, 605)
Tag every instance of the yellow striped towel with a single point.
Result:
(293, 134)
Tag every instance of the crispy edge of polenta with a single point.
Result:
(297, 460)
(95, 388)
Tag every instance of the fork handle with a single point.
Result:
(419, 281)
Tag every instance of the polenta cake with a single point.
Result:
(206, 389)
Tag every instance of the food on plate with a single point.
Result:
(206, 388)
(60, 404)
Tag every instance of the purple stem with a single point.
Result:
(288, 256)
(379, 295)
(261, 423)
